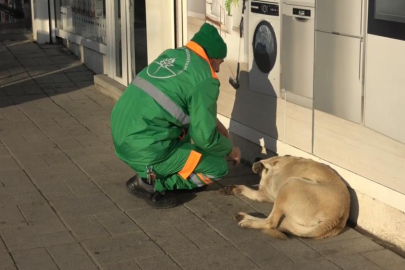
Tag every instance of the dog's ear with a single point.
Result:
(257, 167)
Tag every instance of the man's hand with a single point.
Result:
(235, 156)
(222, 129)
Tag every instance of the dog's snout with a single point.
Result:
(257, 167)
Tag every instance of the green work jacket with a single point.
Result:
(176, 93)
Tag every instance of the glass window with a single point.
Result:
(86, 18)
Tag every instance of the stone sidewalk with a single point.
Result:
(63, 202)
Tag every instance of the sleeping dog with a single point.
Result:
(310, 199)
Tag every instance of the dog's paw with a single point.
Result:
(240, 216)
(230, 190)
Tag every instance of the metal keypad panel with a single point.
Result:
(264, 8)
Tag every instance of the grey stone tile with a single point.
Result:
(6, 262)
(22, 46)
(24, 237)
(4, 152)
(309, 265)
(77, 95)
(386, 259)
(217, 258)
(11, 132)
(264, 254)
(58, 98)
(89, 140)
(2, 248)
(119, 194)
(35, 71)
(124, 265)
(51, 78)
(118, 166)
(10, 215)
(57, 191)
(34, 259)
(355, 262)
(120, 248)
(156, 263)
(232, 233)
(348, 247)
(37, 212)
(12, 79)
(71, 257)
(16, 198)
(55, 158)
(62, 168)
(30, 62)
(94, 168)
(208, 211)
(8, 164)
(201, 235)
(117, 223)
(30, 54)
(81, 76)
(87, 227)
(54, 177)
(231, 204)
(31, 161)
(17, 179)
(152, 218)
(73, 67)
(295, 250)
(82, 188)
(172, 240)
(90, 205)
(16, 116)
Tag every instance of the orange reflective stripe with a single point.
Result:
(190, 165)
(205, 179)
(200, 51)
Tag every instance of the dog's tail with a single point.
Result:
(275, 234)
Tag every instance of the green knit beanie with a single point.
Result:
(211, 41)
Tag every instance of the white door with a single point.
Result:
(152, 27)
(117, 40)
(338, 75)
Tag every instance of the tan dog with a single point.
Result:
(310, 199)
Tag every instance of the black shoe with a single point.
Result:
(138, 187)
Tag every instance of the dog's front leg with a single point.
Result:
(248, 221)
(256, 195)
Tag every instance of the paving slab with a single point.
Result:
(26, 236)
(386, 259)
(71, 257)
(157, 263)
(120, 248)
(34, 259)
(355, 262)
(6, 262)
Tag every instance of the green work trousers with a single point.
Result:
(170, 173)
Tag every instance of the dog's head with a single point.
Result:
(271, 164)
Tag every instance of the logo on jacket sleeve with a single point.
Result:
(167, 67)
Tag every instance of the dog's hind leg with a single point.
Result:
(256, 195)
